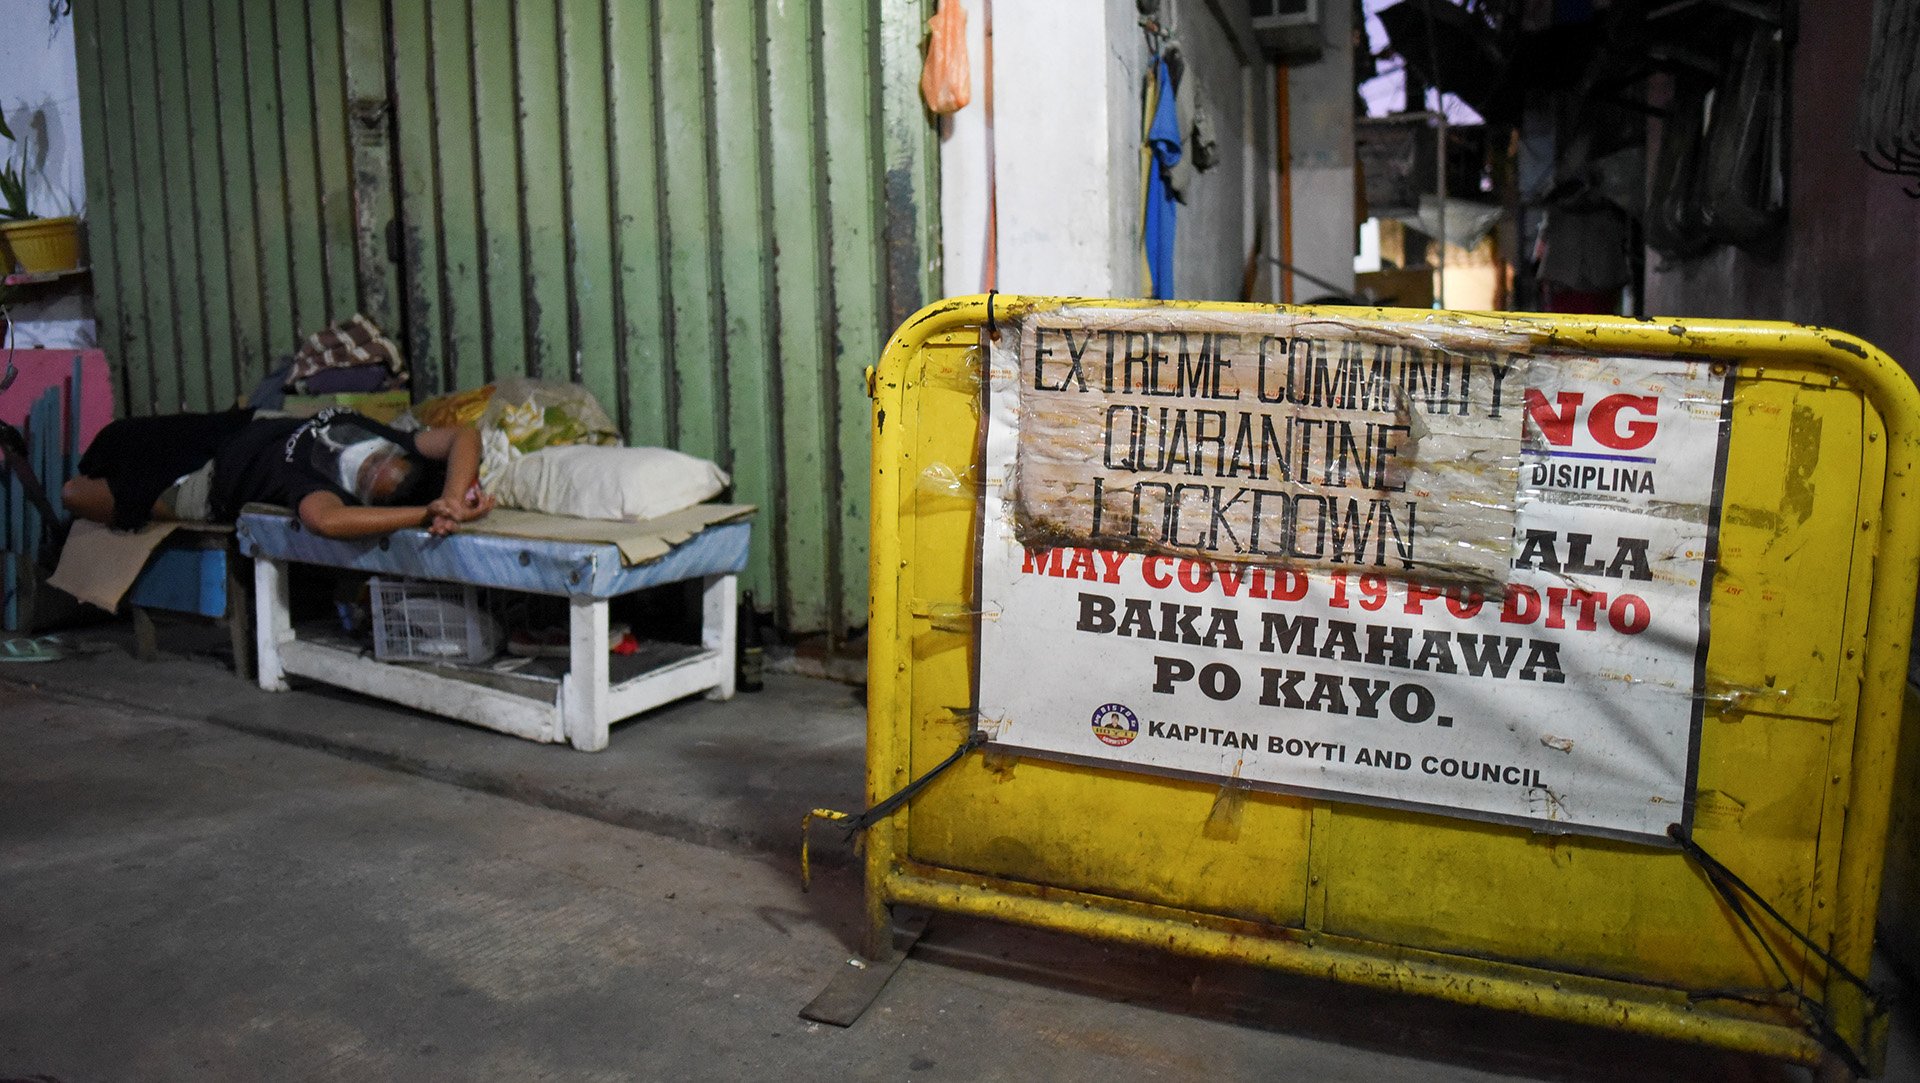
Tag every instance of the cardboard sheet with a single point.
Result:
(98, 565)
(639, 542)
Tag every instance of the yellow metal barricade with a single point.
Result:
(1810, 610)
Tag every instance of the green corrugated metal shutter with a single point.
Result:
(710, 214)
(218, 190)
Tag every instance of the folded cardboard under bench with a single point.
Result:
(588, 574)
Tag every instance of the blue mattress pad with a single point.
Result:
(570, 568)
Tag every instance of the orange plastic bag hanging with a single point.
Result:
(947, 82)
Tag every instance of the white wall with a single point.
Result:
(40, 95)
(1067, 78)
(1126, 73)
(1054, 126)
(963, 175)
(1208, 250)
(1320, 144)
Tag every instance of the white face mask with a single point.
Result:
(355, 459)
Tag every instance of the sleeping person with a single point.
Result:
(142, 468)
(345, 474)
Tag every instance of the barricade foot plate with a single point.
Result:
(858, 984)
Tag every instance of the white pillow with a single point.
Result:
(593, 482)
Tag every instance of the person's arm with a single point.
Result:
(460, 499)
(329, 516)
(459, 448)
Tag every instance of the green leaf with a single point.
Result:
(13, 194)
(5, 132)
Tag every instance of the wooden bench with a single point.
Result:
(576, 706)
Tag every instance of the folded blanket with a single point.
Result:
(350, 344)
(358, 379)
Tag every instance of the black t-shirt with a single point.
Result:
(284, 460)
(138, 457)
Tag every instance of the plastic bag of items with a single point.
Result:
(523, 416)
(946, 82)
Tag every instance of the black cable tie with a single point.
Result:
(993, 325)
(906, 793)
(1730, 887)
(1715, 869)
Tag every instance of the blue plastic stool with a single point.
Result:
(193, 572)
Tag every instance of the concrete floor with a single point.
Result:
(198, 881)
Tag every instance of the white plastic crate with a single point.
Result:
(419, 621)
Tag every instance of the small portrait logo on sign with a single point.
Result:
(1115, 725)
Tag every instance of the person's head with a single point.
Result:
(379, 473)
(385, 477)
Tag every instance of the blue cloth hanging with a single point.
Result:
(1163, 140)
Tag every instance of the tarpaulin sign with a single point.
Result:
(1414, 564)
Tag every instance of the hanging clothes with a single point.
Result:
(1200, 148)
(1159, 210)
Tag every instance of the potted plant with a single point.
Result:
(38, 245)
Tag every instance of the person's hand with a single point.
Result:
(474, 505)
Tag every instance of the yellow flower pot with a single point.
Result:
(42, 245)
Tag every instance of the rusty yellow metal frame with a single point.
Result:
(1848, 861)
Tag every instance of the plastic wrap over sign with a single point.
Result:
(1405, 564)
(1264, 438)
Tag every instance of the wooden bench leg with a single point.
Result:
(718, 631)
(584, 693)
(272, 621)
(239, 630)
(146, 641)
